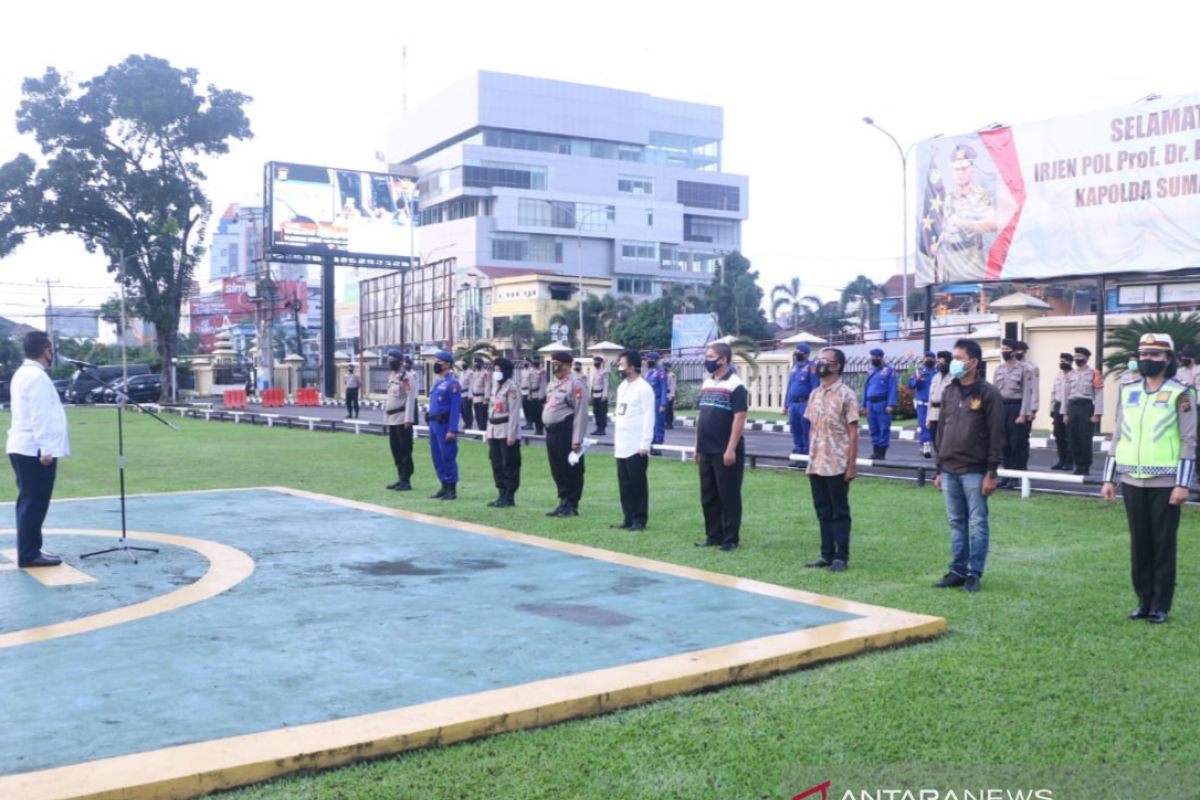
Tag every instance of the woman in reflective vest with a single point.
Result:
(1153, 454)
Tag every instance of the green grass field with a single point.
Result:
(1038, 670)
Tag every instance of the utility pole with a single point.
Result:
(50, 314)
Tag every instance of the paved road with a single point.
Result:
(775, 447)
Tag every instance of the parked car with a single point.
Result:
(140, 389)
(85, 380)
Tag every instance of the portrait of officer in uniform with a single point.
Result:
(969, 214)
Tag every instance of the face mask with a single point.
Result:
(1019, 356)
(578, 368)
(1187, 362)
(1132, 366)
(824, 369)
(652, 364)
(598, 365)
(799, 357)
(957, 369)
(1006, 355)
(438, 369)
(394, 366)
(497, 376)
(876, 362)
(711, 366)
(1065, 366)
(622, 372)
(1081, 362)
(928, 363)
(1151, 369)
(943, 367)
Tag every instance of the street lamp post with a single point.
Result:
(904, 206)
(578, 220)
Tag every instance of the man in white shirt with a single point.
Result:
(634, 424)
(36, 440)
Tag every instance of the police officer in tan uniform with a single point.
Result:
(565, 418)
(1058, 407)
(526, 371)
(599, 386)
(671, 383)
(537, 394)
(467, 402)
(1085, 405)
(503, 424)
(480, 387)
(399, 415)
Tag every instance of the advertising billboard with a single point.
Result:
(1098, 193)
(322, 209)
(691, 332)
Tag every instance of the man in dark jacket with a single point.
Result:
(970, 448)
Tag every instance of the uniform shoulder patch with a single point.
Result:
(454, 388)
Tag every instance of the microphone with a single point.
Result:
(78, 363)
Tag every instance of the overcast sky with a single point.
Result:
(794, 79)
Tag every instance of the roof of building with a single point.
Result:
(1019, 300)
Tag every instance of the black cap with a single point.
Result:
(561, 356)
(1020, 345)
(1011, 344)
(1065, 356)
(1083, 351)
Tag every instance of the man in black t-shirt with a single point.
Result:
(720, 451)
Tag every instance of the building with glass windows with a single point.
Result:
(554, 182)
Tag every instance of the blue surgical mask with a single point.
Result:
(957, 369)
(1132, 366)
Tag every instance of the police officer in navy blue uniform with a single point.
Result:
(879, 401)
(920, 382)
(657, 378)
(801, 382)
(445, 407)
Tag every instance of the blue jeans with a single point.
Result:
(967, 510)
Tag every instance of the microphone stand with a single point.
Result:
(123, 545)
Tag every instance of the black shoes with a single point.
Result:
(451, 492)
(558, 512)
(624, 526)
(564, 510)
(1139, 613)
(45, 560)
(439, 494)
(729, 547)
(708, 544)
(1156, 617)
(837, 566)
(820, 563)
(879, 453)
(1081, 470)
(950, 580)
(400, 486)
(393, 486)
(503, 501)
(638, 526)
(971, 584)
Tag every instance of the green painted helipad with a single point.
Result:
(278, 630)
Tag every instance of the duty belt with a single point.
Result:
(497, 420)
(443, 418)
(877, 399)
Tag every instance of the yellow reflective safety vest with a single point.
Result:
(1150, 437)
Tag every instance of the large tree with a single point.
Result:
(120, 171)
(737, 298)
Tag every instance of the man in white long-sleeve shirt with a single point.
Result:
(634, 424)
(36, 440)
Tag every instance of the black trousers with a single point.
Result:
(527, 411)
(480, 414)
(537, 405)
(671, 414)
(933, 423)
(831, 499)
(600, 414)
(400, 437)
(568, 479)
(506, 466)
(352, 402)
(1061, 443)
(1153, 534)
(35, 485)
(635, 490)
(721, 497)
(1079, 431)
(468, 413)
(1016, 437)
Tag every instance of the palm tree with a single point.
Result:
(787, 294)
(470, 352)
(520, 329)
(1183, 330)
(861, 294)
(605, 313)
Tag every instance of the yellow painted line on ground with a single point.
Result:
(196, 769)
(227, 567)
(62, 575)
